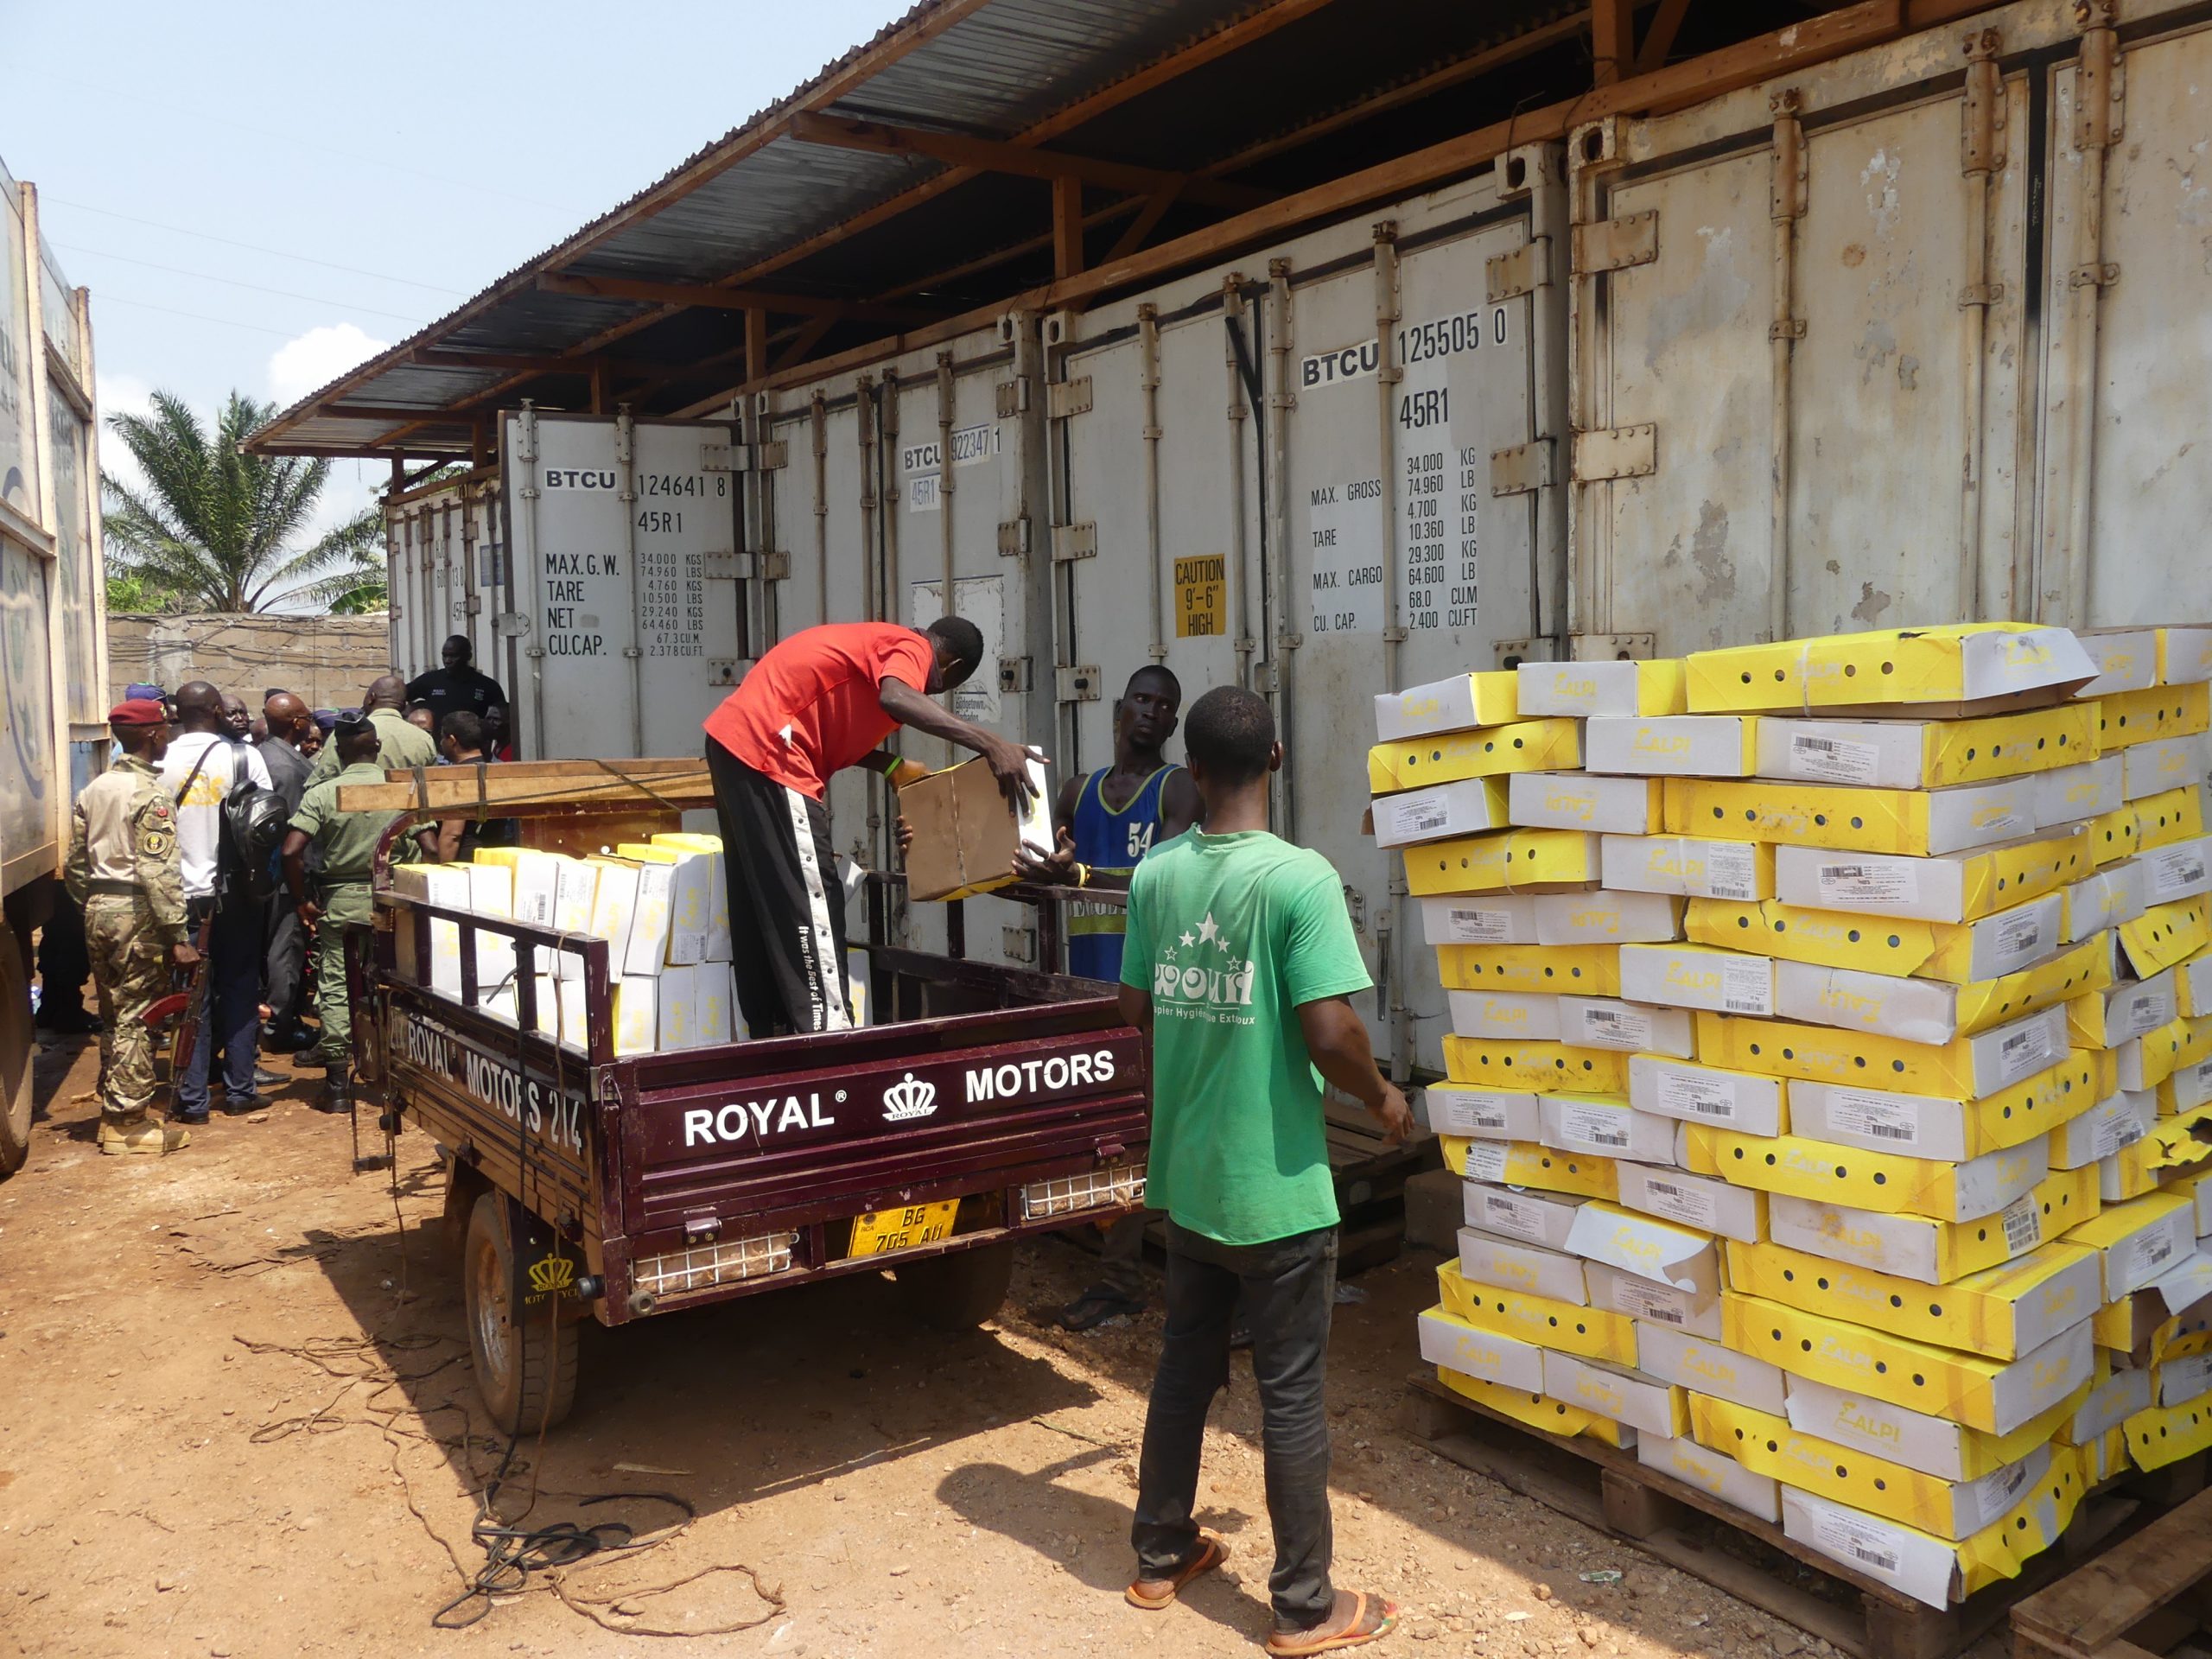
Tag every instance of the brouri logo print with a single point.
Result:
(1202, 976)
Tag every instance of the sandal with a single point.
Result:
(1370, 1619)
(1154, 1594)
(1094, 1308)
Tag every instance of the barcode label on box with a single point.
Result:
(1686, 1094)
(2018, 935)
(1731, 870)
(1502, 1213)
(1419, 817)
(2144, 1013)
(2123, 1129)
(1833, 760)
(2023, 1053)
(2022, 1220)
(2176, 870)
(1596, 1126)
(1486, 1161)
(1681, 1201)
(2148, 1255)
(1862, 886)
(1615, 1028)
(1859, 1111)
(1474, 925)
(1747, 987)
(1641, 1301)
(1847, 1539)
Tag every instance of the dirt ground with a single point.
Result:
(238, 1420)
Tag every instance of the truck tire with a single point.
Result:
(525, 1367)
(16, 1049)
(960, 1291)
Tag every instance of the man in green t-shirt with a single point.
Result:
(1240, 962)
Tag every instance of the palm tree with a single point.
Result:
(215, 529)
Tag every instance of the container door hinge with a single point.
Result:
(1076, 681)
(744, 567)
(1014, 674)
(1619, 452)
(1013, 397)
(1014, 537)
(472, 606)
(727, 670)
(512, 624)
(1522, 469)
(1019, 943)
(1616, 244)
(1074, 542)
(767, 456)
(1066, 398)
(1523, 270)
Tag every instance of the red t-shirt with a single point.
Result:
(810, 706)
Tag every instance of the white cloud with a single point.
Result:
(316, 359)
(116, 393)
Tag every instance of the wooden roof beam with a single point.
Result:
(718, 298)
(1027, 160)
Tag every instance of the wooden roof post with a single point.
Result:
(1067, 228)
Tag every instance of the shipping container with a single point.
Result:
(52, 609)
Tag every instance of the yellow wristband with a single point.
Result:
(1081, 875)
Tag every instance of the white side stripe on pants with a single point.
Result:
(830, 971)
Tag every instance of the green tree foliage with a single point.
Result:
(217, 529)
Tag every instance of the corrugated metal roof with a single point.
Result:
(988, 69)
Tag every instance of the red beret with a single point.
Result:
(137, 711)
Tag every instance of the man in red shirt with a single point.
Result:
(823, 700)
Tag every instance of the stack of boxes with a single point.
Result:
(1831, 1072)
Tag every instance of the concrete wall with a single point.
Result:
(326, 659)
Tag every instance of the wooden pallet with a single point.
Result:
(2150, 1595)
(1752, 1559)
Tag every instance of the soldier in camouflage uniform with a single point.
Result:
(124, 869)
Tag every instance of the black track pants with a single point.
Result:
(786, 906)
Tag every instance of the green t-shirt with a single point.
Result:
(1230, 934)
(348, 840)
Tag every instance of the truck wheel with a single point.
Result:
(15, 1048)
(526, 1358)
(960, 1291)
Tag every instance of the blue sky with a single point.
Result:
(261, 195)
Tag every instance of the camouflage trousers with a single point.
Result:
(131, 966)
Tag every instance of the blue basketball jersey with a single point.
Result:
(1112, 843)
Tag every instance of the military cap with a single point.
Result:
(137, 711)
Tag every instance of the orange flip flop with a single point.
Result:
(1355, 1633)
(1211, 1554)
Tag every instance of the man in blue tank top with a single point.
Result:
(1107, 821)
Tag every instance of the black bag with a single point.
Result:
(254, 823)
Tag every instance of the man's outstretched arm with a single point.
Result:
(1336, 1038)
(1009, 760)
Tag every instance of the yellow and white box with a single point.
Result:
(1885, 1182)
(1518, 1164)
(1593, 969)
(2184, 656)
(1964, 667)
(1915, 823)
(2170, 816)
(1582, 689)
(492, 893)
(1746, 1101)
(1503, 1015)
(1439, 812)
(1482, 1114)
(1581, 800)
(1961, 887)
(2111, 1401)
(1965, 1066)
(637, 1014)
(2126, 660)
(1925, 754)
(650, 913)
(2180, 869)
(2139, 1241)
(1944, 1127)
(1607, 917)
(2119, 1120)
(2109, 897)
(1642, 1404)
(1704, 1366)
(1486, 1259)
(1636, 1027)
(1693, 867)
(2086, 790)
(536, 874)
(1929, 1569)
(1487, 919)
(613, 904)
(1513, 860)
(447, 887)
(1607, 1126)
(1697, 976)
(1572, 1328)
(714, 1016)
(1453, 705)
(716, 947)
(1678, 1257)
(1683, 746)
(2109, 1017)
(1957, 953)
(1493, 751)
(691, 901)
(1922, 1247)
(1711, 1472)
(1534, 1065)
(1447, 1340)
(1931, 1011)
(1698, 1201)
(1649, 1302)
(2133, 717)
(2163, 764)
(1543, 1219)
(678, 1007)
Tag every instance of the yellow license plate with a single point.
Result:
(881, 1232)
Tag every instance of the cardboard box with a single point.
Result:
(965, 834)
(2112, 836)
(1923, 1248)
(678, 1007)
(1536, 1411)
(714, 1016)
(1915, 822)
(535, 876)
(1486, 1259)
(1503, 918)
(637, 1014)
(1605, 918)
(1929, 1569)
(1675, 1256)
(2183, 1090)
(2171, 815)
(1955, 952)
(1964, 1067)
(1493, 752)
(1535, 1066)
(491, 893)
(1518, 1164)
(1961, 887)
(2181, 870)
(1682, 745)
(1697, 976)
(1582, 690)
(1514, 861)
(615, 902)
(2126, 660)
(1504, 1016)
(1687, 866)
(1590, 969)
(1571, 1327)
(2164, 935)
(2165, 1434)
(1439, 812)
(2184, 656)
(1771, 1444)
(2002, 1311)
(1704, 1366)
(2109, 1017)
(562, 1011)
(2164, 763)
(1711, 1472)
(652, 918)
(1482, 1114)
(2180, 1380)
(1578, 800)
(1451, 1342)
(1636, 1027)
(717, 946)
(1960, 669)
(1925, 754)
(2077, 793)
(445, 886)
(1453, 705)
(2113, 1400)
(492, 889)
(2106, 899)
(1605, 1125)
(690, 906)
(1746, 1101)
(1698, 1201)
(1944, 1127)
(2139, 1241)
(1887, 1182)
(1994, 1395)
(1642, 1404)
(1651, 1303)
(1543, 1219)
(2127, 718)
(1929, 1011)
(2146, 1062)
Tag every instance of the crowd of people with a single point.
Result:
(166, 882)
